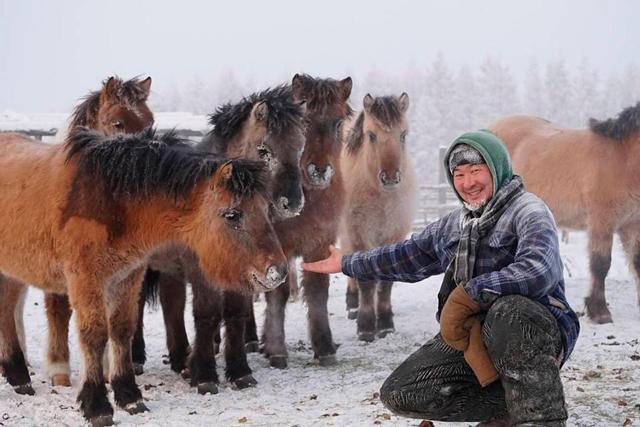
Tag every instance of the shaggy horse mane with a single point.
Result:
(283, 114)
(620, 128)
(85, 113)
(322, 93)
(384, 109)
(142, 164)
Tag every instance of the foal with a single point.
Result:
(380, 203)
(82, 218)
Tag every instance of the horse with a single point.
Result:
(119, 106)
(380, 202)
(309, 234)
(269, 127)
(587, 177)
(83, 217)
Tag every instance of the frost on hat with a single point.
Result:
(464, 154)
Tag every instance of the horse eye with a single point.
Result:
(263, 152)
(403, 137)
(373, 137)
(232, 215)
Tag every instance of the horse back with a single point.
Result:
(570, 169)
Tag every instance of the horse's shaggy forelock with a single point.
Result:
(321, 94)
(385, 109)
(284, 114)
(143, 164)
(85, 113)
(620, 128)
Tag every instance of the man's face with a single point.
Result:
(473, 183)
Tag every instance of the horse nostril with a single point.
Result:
(383, 177)
(276, 274)
(284, 203)
(398, 177)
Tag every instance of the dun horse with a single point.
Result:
(310, 234)
(119, 106)
(380, 206)
(82, 218)
(267, 127)
(588, 178)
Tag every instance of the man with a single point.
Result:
(502, 310)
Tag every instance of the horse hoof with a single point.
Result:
(102, 421)
(367, 336)
(252, 347)
(185, 373)
(602, 318)
(209, 387)
(61, 380)
(384, 332)
(24, 389)
(279, 362)
(328, 360)
(244, 382)
(352, 313)
(138, 368)
(136, 407)
(598, 311)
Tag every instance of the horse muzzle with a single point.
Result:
(319, 178)
(271, 279)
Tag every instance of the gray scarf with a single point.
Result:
(473, 228)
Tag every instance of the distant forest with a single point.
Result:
(447, 101)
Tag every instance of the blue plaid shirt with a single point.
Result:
(519, 256)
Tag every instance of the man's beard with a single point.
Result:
(477, 206)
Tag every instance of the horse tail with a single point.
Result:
(150, 288)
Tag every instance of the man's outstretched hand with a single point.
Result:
(333, 264)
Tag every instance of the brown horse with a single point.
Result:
(119, 106)
(310, 234)
(82, 219)
(587, 177)
(380, 202)
(267, 127)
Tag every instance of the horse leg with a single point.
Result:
(123, 305)
(87, 299)
(235, 314)
(58, 315)
(273, 336)
(600, 242)
(18, 315)
(138, 347)
(352, 299)
(316, 294)
(173, 297)
(12, 360)
(630, 237)
(366, 311)
(207, 315)
(384, 313)
(251, 331)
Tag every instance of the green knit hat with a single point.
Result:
(492, 150)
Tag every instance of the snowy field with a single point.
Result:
(601, 379)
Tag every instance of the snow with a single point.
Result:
(601, 379)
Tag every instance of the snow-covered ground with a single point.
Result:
(601, 380)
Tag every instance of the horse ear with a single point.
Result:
(345, 87)
(404, 102)
(145, 86)
(260, 111)
(224, 174)
(109, 88)
(367, 102)
(297, 87)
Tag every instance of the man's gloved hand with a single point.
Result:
(461, 329)
(456, 318)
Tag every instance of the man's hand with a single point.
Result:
(456, 318)
(333, 264)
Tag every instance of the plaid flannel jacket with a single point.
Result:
(519, 256)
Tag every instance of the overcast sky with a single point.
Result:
(53, 52)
